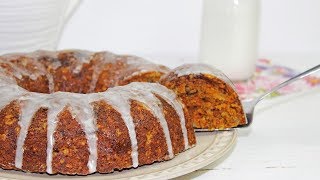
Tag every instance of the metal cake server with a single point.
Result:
(249, 105)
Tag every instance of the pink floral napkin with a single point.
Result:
(268, 75)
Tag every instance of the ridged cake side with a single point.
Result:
(71, 133)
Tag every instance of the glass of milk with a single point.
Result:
(229, 37)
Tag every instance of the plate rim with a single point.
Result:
(221, 150)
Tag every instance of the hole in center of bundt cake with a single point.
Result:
(83, 82)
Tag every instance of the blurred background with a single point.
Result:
(171, 28)
(228, 34)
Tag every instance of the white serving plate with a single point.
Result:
(211, 147)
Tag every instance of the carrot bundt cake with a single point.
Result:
(78, 112)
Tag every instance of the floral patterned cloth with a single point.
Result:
(268, 75)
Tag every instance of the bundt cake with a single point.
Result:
(78, 112)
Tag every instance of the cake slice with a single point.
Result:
(208, 94)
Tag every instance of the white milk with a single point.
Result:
(230, 36)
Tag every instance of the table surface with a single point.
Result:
(283, 139)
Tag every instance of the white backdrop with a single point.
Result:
(171, 27)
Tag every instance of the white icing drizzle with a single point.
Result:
(193, 69)
(134, 60)
(80, 107)
(52, 117)
(50, 83)
(19, 72)
(188, 69)
(120, 103)
(77, 69)
(40, 70)
(85, 116)
(56, 102)
(107, 57)
(9, 93)
(118, 97)
(139, 65)
(82, 57)
(28, 109)
(45, 73)
(171, 98)
(97, 69)
(154, 105)
(56, 64)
